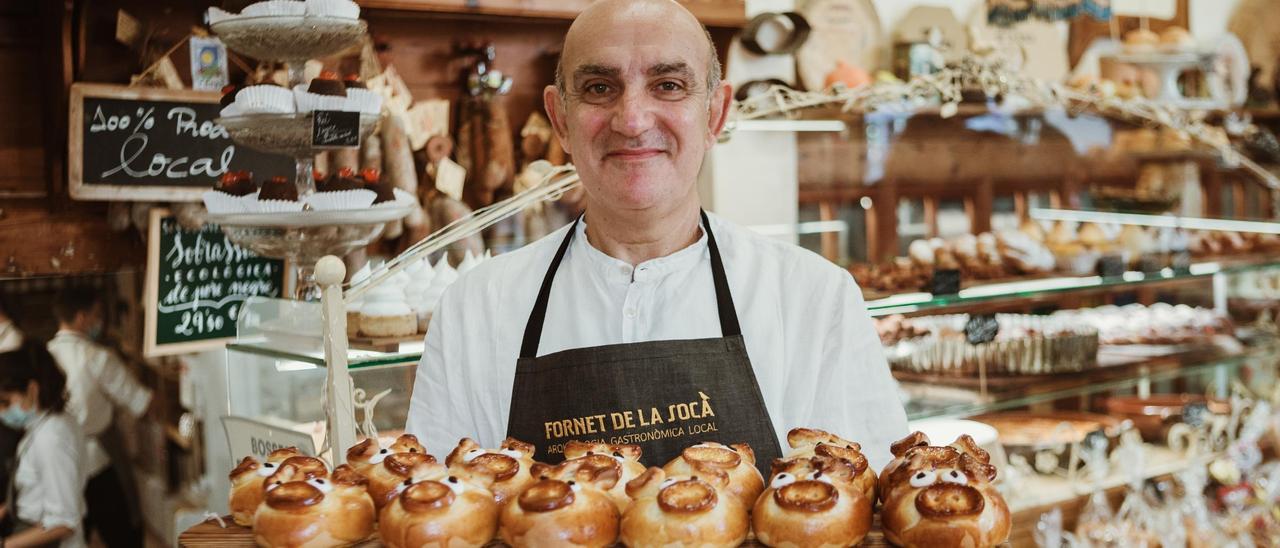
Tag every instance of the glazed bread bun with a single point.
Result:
(247, 483)
(504, 471)
(683, 511)
(812, 501)
(301, 511)
(365, 455)
(941, 496)
(566, 506)
(809, 442)
(438, 509)
(737, 461)
(394, 469)
(628, 457)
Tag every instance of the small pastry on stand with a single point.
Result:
(503, 471)
(809, 442)
(364, 456)
(301, 511)
(941, 496)
(568, 505)
(628, 457)
(395, 468)
(434, 508)
(683, 511)
(812, 501)
(737, 461)
(247, 483)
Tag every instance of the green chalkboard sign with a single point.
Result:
(196, 283)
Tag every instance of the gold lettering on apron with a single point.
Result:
(706, 405)
(579, 424)
(629, 420)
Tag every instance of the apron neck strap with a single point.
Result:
(729, 326)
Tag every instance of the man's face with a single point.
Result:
(636, 113)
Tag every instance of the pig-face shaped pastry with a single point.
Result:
(628, 457)
(247, 483)
(737, 461)
(394, 469)
(369, 453)
(942, 496)
(808, 442)
(812, 501)
(433, 508)
(503, 471)
(566, 506)
(301, 510)
(683, 511)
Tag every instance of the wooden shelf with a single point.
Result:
(713, 13)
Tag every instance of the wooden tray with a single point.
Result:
(383, 344)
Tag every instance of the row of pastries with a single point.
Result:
(823, 493)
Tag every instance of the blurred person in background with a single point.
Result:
(10, 340)
(45, 497)
(97, 384)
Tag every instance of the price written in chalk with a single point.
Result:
(335, 129)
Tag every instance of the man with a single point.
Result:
(97, 383)
(624, 327)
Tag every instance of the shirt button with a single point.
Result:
(631, 312)
(625, 270)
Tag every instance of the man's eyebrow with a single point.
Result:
(678, 68)
(596, 70)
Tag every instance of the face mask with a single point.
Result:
(16, 417)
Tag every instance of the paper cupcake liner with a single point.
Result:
(338, 201)
(274, 8)
(308, 102)
(221, 203)
(363, 101)
(231, 111)
(218, 15)
(274, 98)
(279, 206)
(333, 8)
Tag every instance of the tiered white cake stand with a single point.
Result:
(303, 237)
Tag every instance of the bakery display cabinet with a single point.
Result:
(276, 367)
(1091, 296)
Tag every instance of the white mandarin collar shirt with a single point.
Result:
(815, 353)
(50, 478)
(97, 382)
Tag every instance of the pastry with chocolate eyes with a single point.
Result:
(247, 483)
(434, 508)
(809, 442)
(628, 457)
(566, 506)
(683, 511)
(812, 501)
(394, 469)
(941, 496)
(503, 471)
(364, 456)
(301, 510)
(737, 461)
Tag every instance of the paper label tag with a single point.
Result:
(335, 129)
(449, 178)
(1111, 266)
(128, 30)
(981, 328)
(248, 437)
(426, 119)
(208, 64)
(944, 282)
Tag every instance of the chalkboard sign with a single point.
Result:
(335, 129)
(196, 282)
(153, 144)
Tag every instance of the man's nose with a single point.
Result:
(633, 113)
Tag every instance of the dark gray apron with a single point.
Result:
(661, 395)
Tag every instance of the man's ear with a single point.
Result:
(553, 102)
(721, 104)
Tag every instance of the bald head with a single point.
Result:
(594, 25)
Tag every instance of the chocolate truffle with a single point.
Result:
(328, 84)
(373, 181)
(279, 188)
(236, 183)
(344, 179)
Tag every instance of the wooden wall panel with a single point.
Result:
(22, 132)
